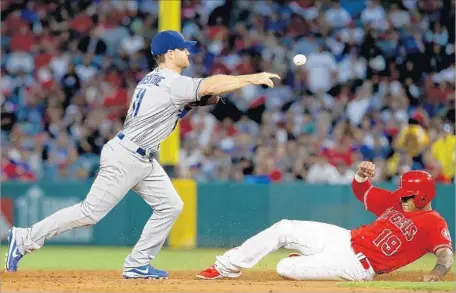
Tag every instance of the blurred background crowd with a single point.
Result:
(379, 84)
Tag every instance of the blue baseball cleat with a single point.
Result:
(144, 272)
(13, 256)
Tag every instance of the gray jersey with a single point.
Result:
(157, 100)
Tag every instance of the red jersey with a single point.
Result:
(396, 238)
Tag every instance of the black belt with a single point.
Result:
(139, 150)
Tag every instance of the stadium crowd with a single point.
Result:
(379, 84)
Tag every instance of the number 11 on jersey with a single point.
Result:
(137, 102)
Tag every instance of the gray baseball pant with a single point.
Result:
(121, 169)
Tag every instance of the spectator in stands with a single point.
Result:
(374, 16)
(414, 140)
(321, 71)
(321, 171)
(378, 82)
(337, 16)
(444, 150)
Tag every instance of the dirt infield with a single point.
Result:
(179, 281)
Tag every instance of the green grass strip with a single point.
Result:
(415, 286)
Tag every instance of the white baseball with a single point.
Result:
(299, 59)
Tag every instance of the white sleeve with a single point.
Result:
(184, 89)
(333, 176)
(332, 62)
(312, 175)
(310, 63)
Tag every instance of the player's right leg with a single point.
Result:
(307, 237)
(158, 192)
(120, 170)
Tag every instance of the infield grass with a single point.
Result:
(112, 258)
(446, 286)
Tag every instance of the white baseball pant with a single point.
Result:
(326, 253)
(121, 169)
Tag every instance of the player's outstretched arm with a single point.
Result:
(361, 184)
(221, 84)
(375, 199)
(444, 262)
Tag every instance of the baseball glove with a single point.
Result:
(207, 100)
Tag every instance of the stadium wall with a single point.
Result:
(216, 214)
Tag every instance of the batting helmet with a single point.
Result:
(419, 184)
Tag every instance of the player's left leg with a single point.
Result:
(120, 170)
(342, 266)
(307, 237)
(158, 191)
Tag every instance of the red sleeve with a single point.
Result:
(439, 236)
(376, 200)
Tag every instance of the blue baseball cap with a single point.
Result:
(169, 40)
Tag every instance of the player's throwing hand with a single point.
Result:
(264, 78)
(366, 169)
(431, 278)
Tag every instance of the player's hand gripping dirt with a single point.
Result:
(366, 169)
(442, 267)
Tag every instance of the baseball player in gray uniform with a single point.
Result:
(128, 160)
